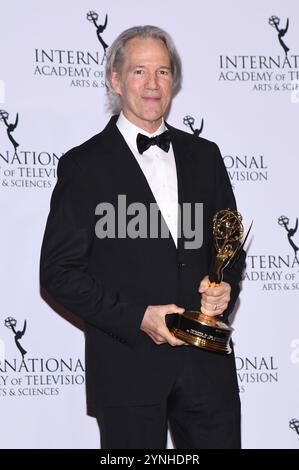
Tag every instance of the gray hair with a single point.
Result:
(115, 59)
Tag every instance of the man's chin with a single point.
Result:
(152, 116)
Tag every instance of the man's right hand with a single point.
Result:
(153, 324)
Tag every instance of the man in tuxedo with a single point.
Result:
(127, 286)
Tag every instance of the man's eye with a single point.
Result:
(138, 71)
(164, 72)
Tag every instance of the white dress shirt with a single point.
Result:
(159, 169)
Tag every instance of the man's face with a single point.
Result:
(144, 82)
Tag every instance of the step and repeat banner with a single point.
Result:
(241, 90)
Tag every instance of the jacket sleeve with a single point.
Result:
(65, 252)
(225, 199)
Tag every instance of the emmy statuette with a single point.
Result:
(194, 327)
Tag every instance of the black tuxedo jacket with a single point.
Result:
(109, 282)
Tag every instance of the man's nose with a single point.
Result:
(152, 81)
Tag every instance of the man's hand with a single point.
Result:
(153, 324)
(214, 300)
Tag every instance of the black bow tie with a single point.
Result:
(144, 142)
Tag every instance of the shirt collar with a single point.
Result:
(130, 131)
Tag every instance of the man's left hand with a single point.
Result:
(214, 300)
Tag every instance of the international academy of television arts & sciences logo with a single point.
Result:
(23, 374)
(243, 169)
(189, 122)
(294, 426)
(264, 72)
(256, 371)
(277, 271)
(240, 168)
(19, 166)
(81, 68)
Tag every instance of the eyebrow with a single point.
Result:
(160, 66)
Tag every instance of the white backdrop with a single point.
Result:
(241, 80)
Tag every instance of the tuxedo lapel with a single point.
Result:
(126, 168)
(186, 171)
(186, 167)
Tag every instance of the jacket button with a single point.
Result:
(181, 265)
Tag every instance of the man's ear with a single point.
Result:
(115, 82)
